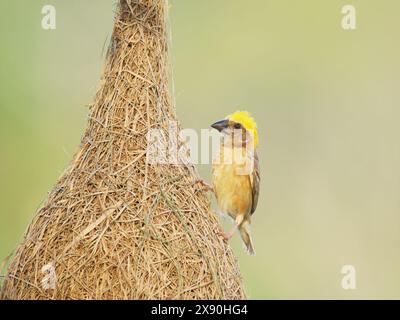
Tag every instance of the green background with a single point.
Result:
(326, 101)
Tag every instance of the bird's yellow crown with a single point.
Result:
(247, 121)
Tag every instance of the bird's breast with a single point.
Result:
(232, 187)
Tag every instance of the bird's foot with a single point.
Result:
(204, 185)
(225, 236)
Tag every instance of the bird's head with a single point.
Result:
(241, 123)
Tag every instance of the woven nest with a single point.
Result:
(116, 226)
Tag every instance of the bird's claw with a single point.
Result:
(223, 235)
(205, 185)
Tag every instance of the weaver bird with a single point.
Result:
(235, 173)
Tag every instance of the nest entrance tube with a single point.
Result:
(116, 226)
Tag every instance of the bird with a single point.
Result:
(236, 173)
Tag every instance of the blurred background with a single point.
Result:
(326, 101)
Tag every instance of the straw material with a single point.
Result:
(116, 226)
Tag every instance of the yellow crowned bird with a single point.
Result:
(235, 173)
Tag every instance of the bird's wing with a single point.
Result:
(255, 183)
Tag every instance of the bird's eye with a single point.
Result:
(238, 126)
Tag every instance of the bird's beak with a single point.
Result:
(220, 125)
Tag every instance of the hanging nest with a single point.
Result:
(116, 226)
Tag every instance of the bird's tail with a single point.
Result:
(244, 230)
